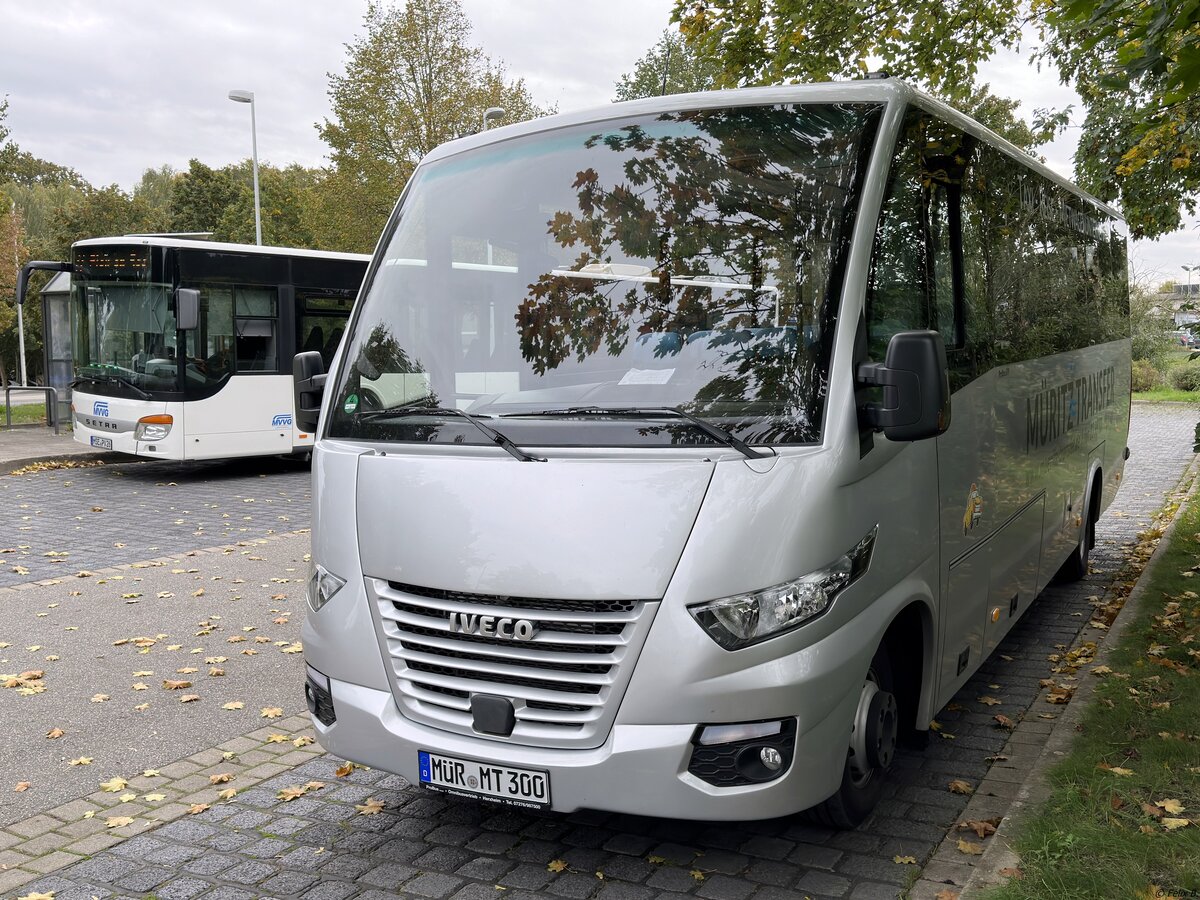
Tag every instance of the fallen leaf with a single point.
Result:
(154, 798)
(344, 770)
(946, 894)
(173, 685)
(80, 761)
(556, 865)
(1171, 805)
(100, 698)
(958, 786)
(905, 860)
(970, 848)
(37, 895)
(220, 778)
(1004, 721)
(197, 808)
(288, 794)
(982, 827)
(189, 698)
(989, 701)
(370, 807)
(55, 733)
(114, 784)
(233, 704)
(1171, 824)
(22, 786)
(696, 874)
(303, 741)
(227, 794)
(277, 739)
(128, 798)
(271, 712)
(117, 821)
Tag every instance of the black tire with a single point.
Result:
(1076, 566)
(858, 794)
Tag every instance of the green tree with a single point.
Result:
(200, 196)
(97, 212)
(1136, 66)
(685, 69)
(285, 195)
(14, 254)
(154, 191)
(412, 81)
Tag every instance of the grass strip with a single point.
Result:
(26, 413)
(1123, 818)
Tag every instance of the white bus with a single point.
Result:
(182, 347)
(636, 482)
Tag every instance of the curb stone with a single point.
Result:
(1017, 786)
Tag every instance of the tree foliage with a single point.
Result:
(685, 69)
(1135, 64)
(412, 81)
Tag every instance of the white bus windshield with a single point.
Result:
(687, 260)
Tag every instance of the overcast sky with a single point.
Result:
(111, 88)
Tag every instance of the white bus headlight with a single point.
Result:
(322, 585)
(745, 619)
(153, 428)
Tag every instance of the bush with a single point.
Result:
(1186, 377)
(1145, 376)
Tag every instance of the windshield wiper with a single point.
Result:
(490, 433)
(112, 379)
(718, 434)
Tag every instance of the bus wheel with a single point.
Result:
(1076, 566)
(872, 749)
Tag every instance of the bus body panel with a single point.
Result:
(522, 530)
(115, 419)
(250, 416)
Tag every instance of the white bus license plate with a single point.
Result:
(468, 778)
(102, 443)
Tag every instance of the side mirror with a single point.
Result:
(308, 386)
(33, 266)
(187, 309)
(916, 388)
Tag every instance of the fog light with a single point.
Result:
(771, 758)
(318, 697)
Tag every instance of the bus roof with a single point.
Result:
(879, 90)
(166, 240)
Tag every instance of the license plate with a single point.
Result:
(527, 788)
(102, 443)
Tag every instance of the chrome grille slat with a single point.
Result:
(565, 683)
(508, 650)
(502, 671)
(437, 605)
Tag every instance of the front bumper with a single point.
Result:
(640, 769)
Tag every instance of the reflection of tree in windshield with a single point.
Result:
(721, 231)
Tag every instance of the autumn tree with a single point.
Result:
(1136, 66)
(669, 67)
(412, 81)
(12, 248)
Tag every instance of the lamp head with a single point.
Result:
(241, 96)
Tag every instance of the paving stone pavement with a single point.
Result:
(126, 512)
(320, 847)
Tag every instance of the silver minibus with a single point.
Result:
(684, 457)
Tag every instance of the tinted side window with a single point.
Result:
(912, 278)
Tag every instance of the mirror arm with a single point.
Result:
(895, 383)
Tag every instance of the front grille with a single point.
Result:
(565, 684)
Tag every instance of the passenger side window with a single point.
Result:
(913, 269)
(255, 326)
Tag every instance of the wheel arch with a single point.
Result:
(911, 647)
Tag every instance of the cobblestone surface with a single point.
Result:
(320, 847)
(133, 511)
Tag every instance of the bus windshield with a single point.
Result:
(125, 334)
(688, 260)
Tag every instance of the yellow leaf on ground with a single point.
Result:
(197, 808)
(303, 741)
(989, 701)
(114, 784)
(233, 704)
(370, 808)
(1171, 805)
(170, 684)
(117, 821)
(220, 778)
(227, 794)
(128, 797)
(556, 865)
(271, 712)
(277, 738)
(80, 761)
(288, 794)
(99, 698)
(905, 860)
(154, 798)
(970, 848)
(22, 786)
(958, 786)
(48, 895)
(55, 733)
(189, 698)
(1171, 824)
(697, 874)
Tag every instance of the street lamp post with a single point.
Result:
(490, 114)
(248, 97)
(1190, 270)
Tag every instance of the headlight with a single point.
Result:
(322, 585)
(745, 619)
(152, 428)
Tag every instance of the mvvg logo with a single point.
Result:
(278, 421)
(100, 408)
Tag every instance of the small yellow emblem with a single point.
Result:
(974, 509)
